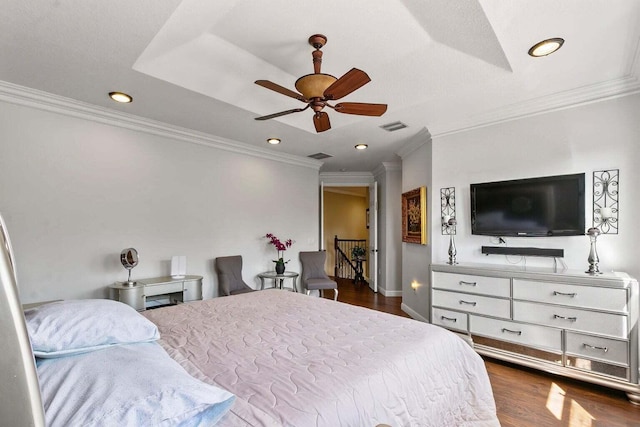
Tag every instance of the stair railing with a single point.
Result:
(345, 267)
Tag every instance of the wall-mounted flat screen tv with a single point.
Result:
(545, 206)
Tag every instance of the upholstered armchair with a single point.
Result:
(313, 275)
(229, 270)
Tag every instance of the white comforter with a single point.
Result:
(294, 360)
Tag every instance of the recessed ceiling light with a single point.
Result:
(362, 147)
(120, 97)
(273, 141)
(546, 47)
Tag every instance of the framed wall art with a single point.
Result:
(414, 216)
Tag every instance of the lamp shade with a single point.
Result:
(314, 85)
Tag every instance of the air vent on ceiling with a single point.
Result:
(320, 156)
(390, 127)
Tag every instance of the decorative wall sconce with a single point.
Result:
(605, 201)
(593, 259)
(447, 208)
(451, 225)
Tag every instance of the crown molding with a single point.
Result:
(346, 179)
(590, 94)
(387, 167)
(21, 95)
(392, 166)
(413, 143)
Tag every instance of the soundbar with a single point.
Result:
(504, 250)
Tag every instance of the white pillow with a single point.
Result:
(130, 385)
(77, 326)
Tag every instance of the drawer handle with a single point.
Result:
(473, 303)
(570, 319)
(450, 319)
(572, 294)
(462, 282)
(593, 347)
(511, 332)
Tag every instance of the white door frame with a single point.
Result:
(372, 184)
(373, 236)
(321, 238)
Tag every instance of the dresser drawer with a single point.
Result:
(597, 348)
(496, 307)
(450, 319)
(529, 335)
(162, 288)
(571, 318)
(609, 299)
(495, 286)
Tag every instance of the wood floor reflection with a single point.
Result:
(526, 397)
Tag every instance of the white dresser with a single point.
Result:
(567, 322)
(157, 291)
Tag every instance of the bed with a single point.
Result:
(267, 358)
(296, 360)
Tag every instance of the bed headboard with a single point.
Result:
(20, 403)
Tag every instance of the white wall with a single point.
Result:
(75, 192)
(389, 177)
(604, 135)
(416, 172)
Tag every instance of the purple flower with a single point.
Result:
(279, 245)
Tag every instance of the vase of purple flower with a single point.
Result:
(280, 246)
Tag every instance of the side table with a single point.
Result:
(278, 279)
(359, 277)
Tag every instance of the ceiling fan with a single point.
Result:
(318, 88)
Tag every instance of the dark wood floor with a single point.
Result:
(526, 397)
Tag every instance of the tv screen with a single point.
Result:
(546, 206)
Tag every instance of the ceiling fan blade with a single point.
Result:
(321, 121)
(360, 108)
(282, 113)
(346, 84)
(282, 90)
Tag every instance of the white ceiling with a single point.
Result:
(439, 64)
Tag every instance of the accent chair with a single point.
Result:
(313, 275)
(229, 270)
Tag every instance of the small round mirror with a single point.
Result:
(129, 259)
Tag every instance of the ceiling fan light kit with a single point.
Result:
(314, 85)
(318, 88)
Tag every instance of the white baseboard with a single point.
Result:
(388, 293)
(414, 314)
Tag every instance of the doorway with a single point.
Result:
(346, 213)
